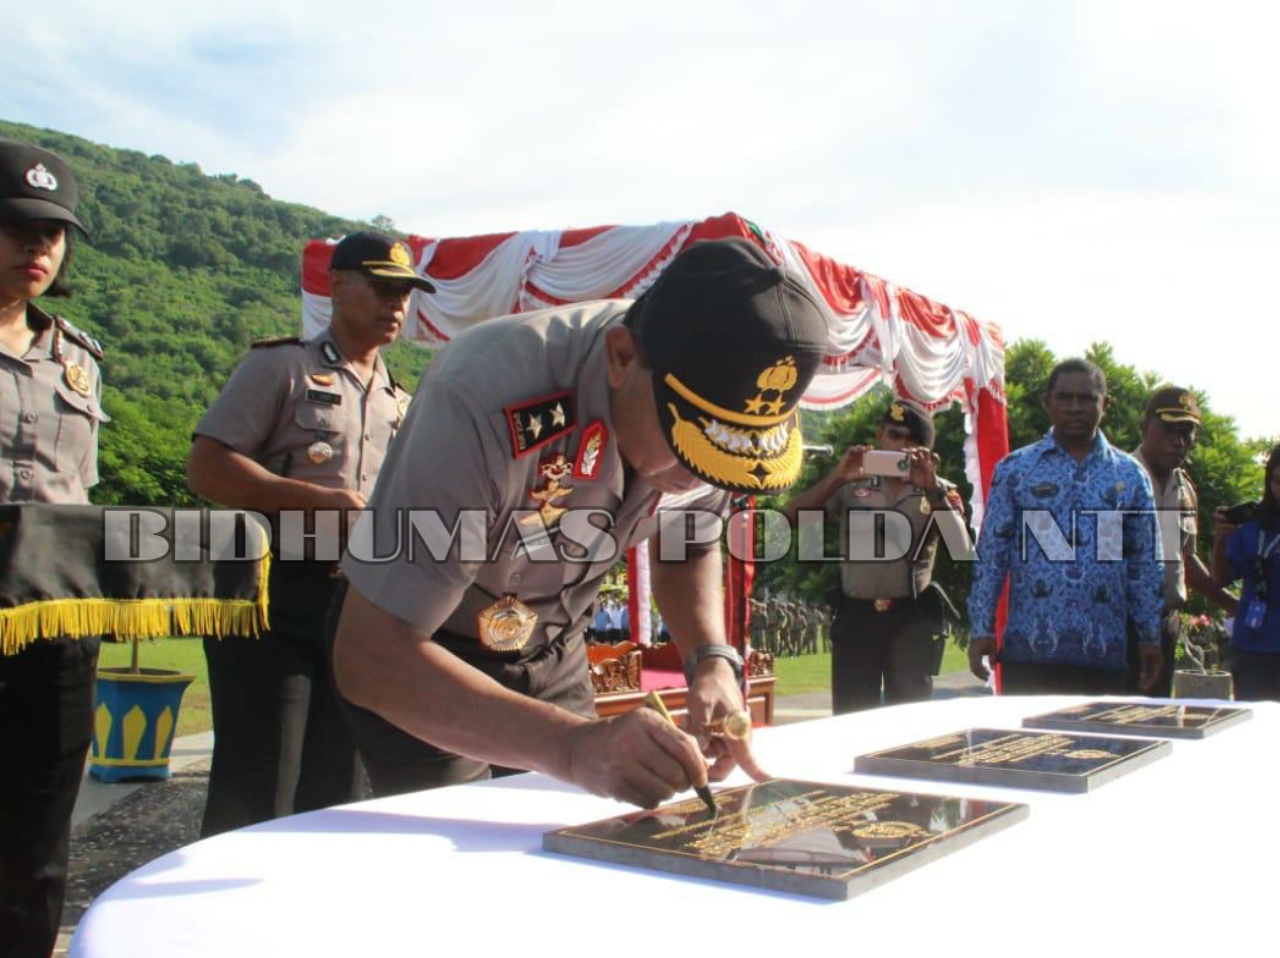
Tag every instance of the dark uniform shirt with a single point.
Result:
(299, 410)
(512, 417)
(50, 408)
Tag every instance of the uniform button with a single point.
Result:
(368, 437)
(24, 473)
(322, 422)
(29, 417)
(516, 577)
(364, 478)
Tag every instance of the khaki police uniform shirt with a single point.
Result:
(299, 410)
(1178, 495)
(496, 405)
(50, 409)
(901, 578)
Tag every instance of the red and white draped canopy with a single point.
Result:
(878, 331)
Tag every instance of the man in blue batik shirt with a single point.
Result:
(1071, 602)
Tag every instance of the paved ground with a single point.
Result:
(118, 828)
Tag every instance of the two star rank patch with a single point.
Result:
(536, 422)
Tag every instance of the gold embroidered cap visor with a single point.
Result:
(733, 340)
(749, 453)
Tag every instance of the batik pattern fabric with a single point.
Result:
(1080, 547)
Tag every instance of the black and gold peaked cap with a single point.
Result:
(734, 340)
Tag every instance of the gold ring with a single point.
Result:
(735, 725)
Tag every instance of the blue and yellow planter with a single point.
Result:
(133, 722)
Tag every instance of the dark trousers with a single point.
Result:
(897, 647)
(1255, 676)
(398, 762)
(46, 712)
(280, 744)
(1028, 678)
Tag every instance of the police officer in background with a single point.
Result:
(890, 621)
(1170, 423)
(536, 424)
(301, 426)
(50, 408)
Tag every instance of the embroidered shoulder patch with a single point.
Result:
(536, 422)
(587, 463)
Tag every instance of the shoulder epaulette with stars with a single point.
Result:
(536, 422)
(80, 338)
(277, 341)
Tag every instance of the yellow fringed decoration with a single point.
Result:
(133, 619)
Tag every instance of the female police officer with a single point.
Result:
(50, 408)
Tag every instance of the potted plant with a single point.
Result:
(1201, 676)
(134, 720)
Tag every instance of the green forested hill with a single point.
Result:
(184, 270)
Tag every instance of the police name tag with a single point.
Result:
(320, 396)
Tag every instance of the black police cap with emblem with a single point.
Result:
(377, 254)
(1173, 404)
(733, 340)
(916, 420)
(36, 184)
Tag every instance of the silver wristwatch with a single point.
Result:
(704, 652)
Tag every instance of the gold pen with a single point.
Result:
(654, 701)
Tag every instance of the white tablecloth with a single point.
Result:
(1180, 856)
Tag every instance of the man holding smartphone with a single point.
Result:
(888, 627)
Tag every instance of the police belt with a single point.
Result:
(881, 605)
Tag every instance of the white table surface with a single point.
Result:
(1180, 855)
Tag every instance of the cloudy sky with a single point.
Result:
(1072, 171)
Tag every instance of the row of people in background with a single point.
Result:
(789, 627)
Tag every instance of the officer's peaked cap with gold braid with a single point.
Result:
(734, 340)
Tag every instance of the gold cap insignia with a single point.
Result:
(400, 255)
(1186, 401)
(898, 412)
(778, 378)
(78, 379)
(506, 625)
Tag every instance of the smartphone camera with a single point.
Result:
(882, 462)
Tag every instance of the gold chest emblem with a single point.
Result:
(78, 379)
(506, 625)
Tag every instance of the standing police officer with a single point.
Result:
(300, 428)
(888, 626)
(1170, 423)
(50, 408)
(548, 440)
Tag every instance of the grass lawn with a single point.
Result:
(812, 673)
(182, 655)
(805, 673)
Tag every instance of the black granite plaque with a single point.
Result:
(1053, 761)
(1163, 720)
(826, 841)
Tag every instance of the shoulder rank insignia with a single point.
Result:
(587, 464)
(80, 338)
(330, 353)
(536, 422)
(276, 341)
